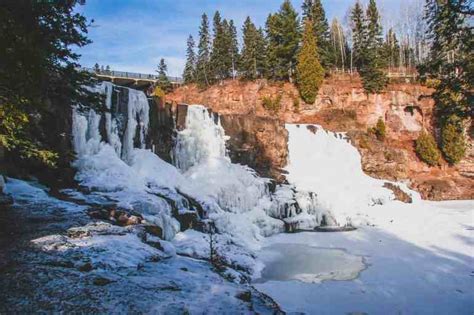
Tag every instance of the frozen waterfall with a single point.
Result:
(325, 182)
(327, 164)
(124, 127)
(201, 141)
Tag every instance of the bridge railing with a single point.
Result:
(130, 75)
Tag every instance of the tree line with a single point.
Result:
(275, 51)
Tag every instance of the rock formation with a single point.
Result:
(341, 105)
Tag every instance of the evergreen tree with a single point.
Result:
(39, 75)
(96, 68)
(163, 81)
(374, 29)
(359, 35)
(262, 62)
(374, 79)
(453, 142)
(451, 62)
(204, 54)
(250, 54)
(313, 11)
(426, 149)
(283, 40)
(219, 49)
(309, 72)
(226, 50)
(272, 44)
(391, 50)
(190, 67)
(233, 48)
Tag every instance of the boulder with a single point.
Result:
(154, 230)
(400, 195)
(119, 217)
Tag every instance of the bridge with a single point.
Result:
(134, 80)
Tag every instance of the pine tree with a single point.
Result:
(262, 57)
(248, 62)
(163, 82)
(453, 142)
(451, 62)
(233, 48)
(39, 75)
(219, 49)
(359, 35)
(374, 79)
(374, 29)
(283, 39)
(189, 73)
(391, 50)
(426, 149)
(204, 54)
(272, 44)
(313, 11)
(309, 72)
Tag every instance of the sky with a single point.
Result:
(133, 35)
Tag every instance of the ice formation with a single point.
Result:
(326, 183)
(327, 164)
(233, 196)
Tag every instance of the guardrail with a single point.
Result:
(130, 75)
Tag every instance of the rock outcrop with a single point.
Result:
(341, 105)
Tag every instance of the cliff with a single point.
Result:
(341, 105)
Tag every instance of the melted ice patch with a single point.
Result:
(285, 262)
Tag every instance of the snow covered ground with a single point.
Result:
(419, 256)
(420, 261)
(53, 259)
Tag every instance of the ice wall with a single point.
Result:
(123, 128)
(327, 164)
(201, 141)
(112, 161)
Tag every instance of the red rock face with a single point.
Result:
(341, 105)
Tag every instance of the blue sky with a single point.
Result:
(132, 35)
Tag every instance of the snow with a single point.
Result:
(327, 164)
(284, 262)
(25, 193)
(419, 256)
(419, 260)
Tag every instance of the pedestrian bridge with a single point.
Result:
(135, 80)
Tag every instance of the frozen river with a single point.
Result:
(284, 262)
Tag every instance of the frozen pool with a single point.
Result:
(305, 263)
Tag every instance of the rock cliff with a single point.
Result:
(341, 105)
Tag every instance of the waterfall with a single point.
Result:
(121, 136)
(137, 122)
(327, 164)
(202, 140)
